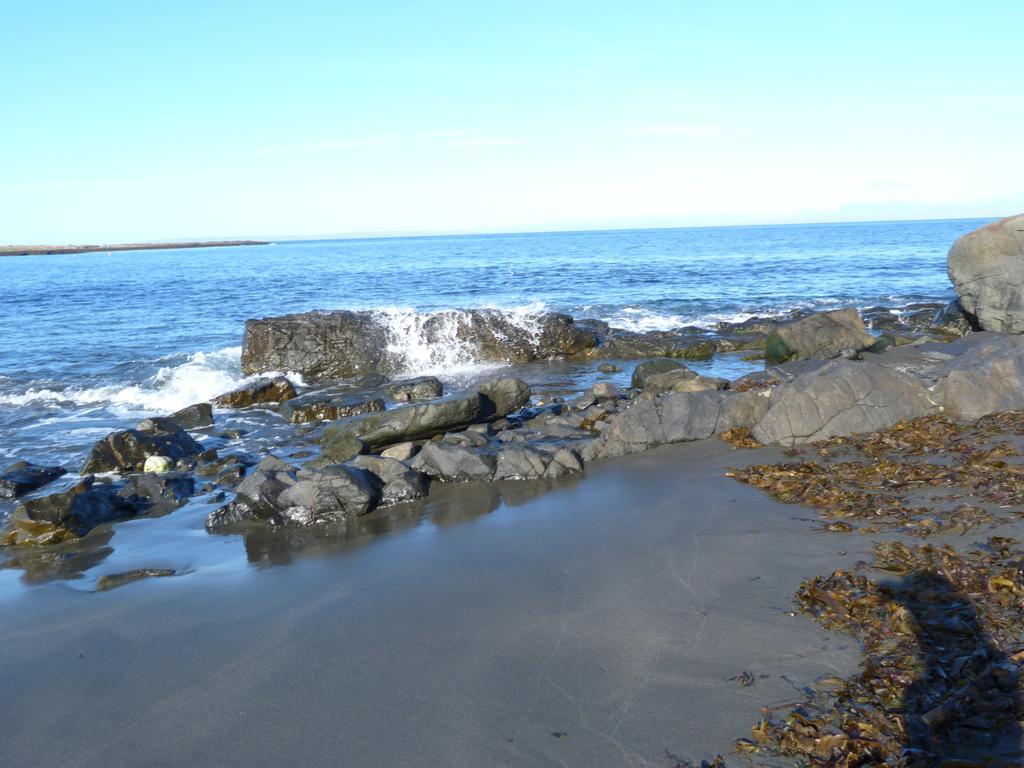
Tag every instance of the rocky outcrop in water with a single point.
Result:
(260, 392)
(412, 390)
(345, 344)
(986, 267)
(318, 407)
(127, 450)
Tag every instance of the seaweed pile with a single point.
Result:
(942, 631)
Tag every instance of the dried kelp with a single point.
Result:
(740, 437)
(869, 478)
(939, 678)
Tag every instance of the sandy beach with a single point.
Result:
(596, 624)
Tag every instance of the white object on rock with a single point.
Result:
(157, 464)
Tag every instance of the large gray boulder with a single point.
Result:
(987, 378)
(986, 267)
(343, 344)
(841, 398)
(655, 367)
(677, 417)
(820, 336)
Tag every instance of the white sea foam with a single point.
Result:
(202, 376)
(436, 343)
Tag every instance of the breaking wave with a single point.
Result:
(201, 377)
(439, 343)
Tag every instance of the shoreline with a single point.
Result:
(52, 250)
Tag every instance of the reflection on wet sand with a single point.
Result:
(447, 505)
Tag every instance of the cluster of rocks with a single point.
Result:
(377, 442)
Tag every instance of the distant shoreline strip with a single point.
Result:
(37, 250)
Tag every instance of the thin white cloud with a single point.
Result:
(328, 145)
(689, 130)
(460, 138)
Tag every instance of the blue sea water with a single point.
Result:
(93, 342)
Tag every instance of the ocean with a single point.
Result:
(95, 342)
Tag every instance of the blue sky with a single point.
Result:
(130, 121)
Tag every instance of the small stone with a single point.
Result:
(400, 451)
(158, 465)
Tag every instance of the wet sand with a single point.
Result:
(597, 624)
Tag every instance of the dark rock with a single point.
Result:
(259, 392)
(278, 494)
(308, 408)
(127, 450)
(686, 345)
(608, 368)
(506, 395)
(22, 477)
(194, 416)
(411, 390)
(67, 515)
(158, 494)
(112, 580)
(452, 463)
(820, 336)
(343, 344)
(986, 267)
(652, 367)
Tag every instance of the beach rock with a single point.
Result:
(331, 494)
(343, 344)
(987, 378)
(520, 463)
(608, 368)
(654, 367)
(127, 450)
(260, 392)
(400, 451)
(67, 515)
(194, 416)
(506, 395)
(341, 445)
(820, 336)
(23, 477)
(307, 408)
(405, 423)
(986, 267)
(421, 388)
(453, 463)
(278, 494)
(841, 398)
(408, 486)
(381, 466)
